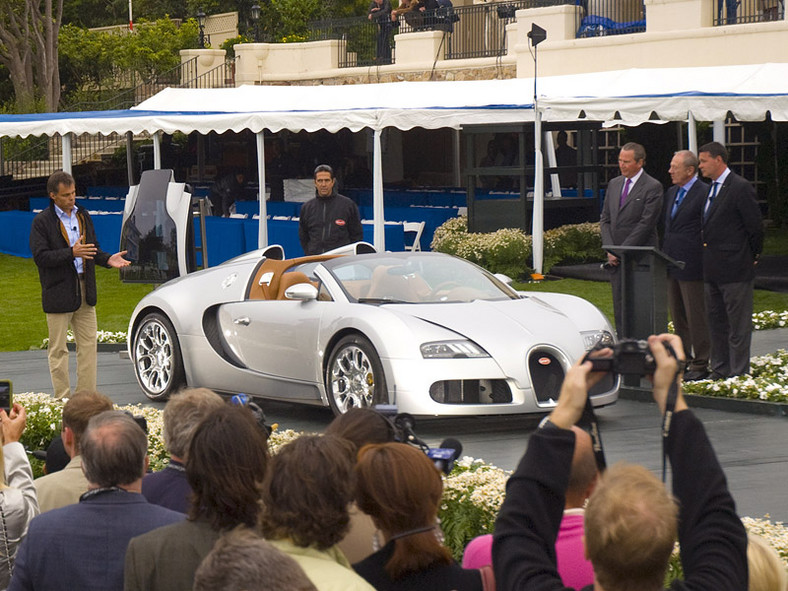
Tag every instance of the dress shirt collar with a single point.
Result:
(634, 179)
(721, 179)
(688, 185)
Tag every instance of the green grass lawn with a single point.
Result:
(600, 295)
(22, 321)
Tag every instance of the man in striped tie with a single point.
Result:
(684, 202)
(732, 229)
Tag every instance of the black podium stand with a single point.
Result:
(644, 293)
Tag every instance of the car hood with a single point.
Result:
(497, 325)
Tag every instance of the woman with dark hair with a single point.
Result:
(360, 426)
(225, 466)
(305, 508)
(400, 488)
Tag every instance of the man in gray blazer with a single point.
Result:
(681, 240)
(632, 208)
(732, 243)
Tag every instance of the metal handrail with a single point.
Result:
(735, 12)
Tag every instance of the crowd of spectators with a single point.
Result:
(356, 508)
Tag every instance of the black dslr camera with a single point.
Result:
(630, 357)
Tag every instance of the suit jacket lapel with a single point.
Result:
(633, 191)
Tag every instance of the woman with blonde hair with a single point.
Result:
(767, 571)
(18, 503)
(400, 488)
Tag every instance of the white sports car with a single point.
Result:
(432, 334)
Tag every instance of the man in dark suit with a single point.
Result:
(732, 243)
(83, 546)
(632, 208)
(684, 203)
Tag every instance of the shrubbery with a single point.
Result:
(510, 251)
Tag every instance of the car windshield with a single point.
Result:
(415, 278)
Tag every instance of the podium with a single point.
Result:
(644, 291)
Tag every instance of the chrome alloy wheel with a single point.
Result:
(154, 356)
(352, 379)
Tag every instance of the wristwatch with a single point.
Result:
(546, 423)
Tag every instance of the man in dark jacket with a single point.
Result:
(330, 220)
(631, 520)
(65, 250)
(732, 243)
(682, 241)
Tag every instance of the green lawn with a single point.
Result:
(600, 295)
(22, 321)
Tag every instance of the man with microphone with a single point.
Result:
(65, 250)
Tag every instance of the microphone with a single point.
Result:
(405, 423)
(444, 456)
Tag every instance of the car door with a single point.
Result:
(277, 338)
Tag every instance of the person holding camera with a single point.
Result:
(18, 503)
(631, 520)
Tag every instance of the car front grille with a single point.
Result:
(471, 392)
(547, 374)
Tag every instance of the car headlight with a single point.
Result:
(593, 338)
(452, 350)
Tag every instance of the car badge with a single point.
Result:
(229, 280)
(544, 361)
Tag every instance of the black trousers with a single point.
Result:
(729, 309)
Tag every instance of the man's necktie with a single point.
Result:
(710, 200)
(624, 193)
(677, 202)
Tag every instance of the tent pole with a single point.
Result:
(65, 142)
(692, 133)
(157, 150)
(457, 159)
(130, 157)
(537, 231)
(379, 238)
(719, 132)
(262, 236)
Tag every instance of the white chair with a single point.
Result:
(415, 228)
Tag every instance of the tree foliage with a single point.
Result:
(96, 64)
(28, 49)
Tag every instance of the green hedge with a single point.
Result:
(510, 251)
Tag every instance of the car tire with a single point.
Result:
(158, 364)
(354, 375)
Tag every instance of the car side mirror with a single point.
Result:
(303, 292)
(503, 278)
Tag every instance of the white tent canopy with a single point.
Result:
(636, 95)
(749, 92)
